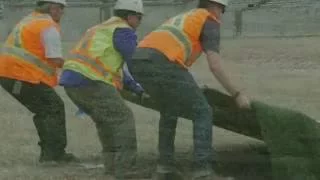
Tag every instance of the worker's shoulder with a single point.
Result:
(211, 23)
(210, 29)
(125, 32)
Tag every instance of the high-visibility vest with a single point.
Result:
(22, 56)
(179, 37)
(94, 62)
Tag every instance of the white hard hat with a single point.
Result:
(63, 2)
(131, 5)
(223, 2)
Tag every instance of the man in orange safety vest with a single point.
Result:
(29, 61)
(160, 65)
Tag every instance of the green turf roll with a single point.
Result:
(292, 138)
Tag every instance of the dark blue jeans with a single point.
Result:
(176, 92)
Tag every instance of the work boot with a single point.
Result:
(123, 166)
(109, 163)
(58, 158)
(167, 173)
(208, 174)
(175, 175)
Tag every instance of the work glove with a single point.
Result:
(138, 90)
(144, 96)
(81, 114)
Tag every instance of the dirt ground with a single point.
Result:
(281, 72)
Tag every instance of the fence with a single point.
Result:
(79, 16)
(282, 18)
(274, 18)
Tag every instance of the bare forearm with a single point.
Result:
(224, 80)
(220, 74)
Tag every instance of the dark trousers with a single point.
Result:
(49, 113)
(113, 119)
(175, 91)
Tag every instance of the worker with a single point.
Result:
(160, 64)
(97, 69)
(29, 61)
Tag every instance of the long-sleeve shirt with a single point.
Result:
(125, 42)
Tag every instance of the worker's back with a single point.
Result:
(23, 56)
(179, 37)
(96, 49)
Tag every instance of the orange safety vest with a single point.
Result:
(22, 56)
(179, 37)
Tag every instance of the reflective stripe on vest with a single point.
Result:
(17, 31)
(180, 36)
(85, 41)
(99, 69)
(17, 50)
(20, 53)
(85, 45)
(92, 63)
(175, 27)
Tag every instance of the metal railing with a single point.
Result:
(267, 18)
